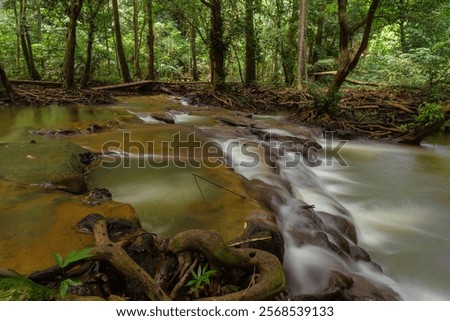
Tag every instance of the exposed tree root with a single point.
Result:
(271, 276)
(118, 257)
(387, 113)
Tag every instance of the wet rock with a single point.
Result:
(53, 164)
(164, 118)
(341, 224)
(87, 158)
(37, 223)
(64, 132)
(235, 122)
(342, 287)
(98, 196)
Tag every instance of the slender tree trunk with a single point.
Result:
(69, 57)
(217, 48)
(347, 61)
(318, 39)
(17, 22)
(137, 65)
(238, 63)
(87, 71)
(193, 50)
(402, 7)
(26, 42)
(6, 90)
(301, 63)
(250, 43)
(151, 74)
(119, 45)
(288, 49)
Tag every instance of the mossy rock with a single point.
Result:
(47, 163)
(19, 288)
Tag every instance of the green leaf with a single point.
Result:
(75, 256)
(72, 282)
(191, 282)
(58, 259)
(63, 288)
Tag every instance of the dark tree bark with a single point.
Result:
(347, 59)
(288, 48)
(119, 45)
(193, 51)
(402, 7)
(6, 90)
(137, 65)
(25, 40)
(250, 43)
(17, 22)
(318, 40)
(69, 57)
(217, 47)
(151, 75)
(301, 62)
(87, 71)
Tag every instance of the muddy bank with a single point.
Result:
(40, 95)
(386, 114)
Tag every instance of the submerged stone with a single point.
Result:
(49, 164)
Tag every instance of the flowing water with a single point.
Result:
(398, 197)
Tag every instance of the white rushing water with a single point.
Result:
(399, 197)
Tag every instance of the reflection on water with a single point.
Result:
(399, 197)
(168, 200)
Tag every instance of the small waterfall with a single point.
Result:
(322, 258)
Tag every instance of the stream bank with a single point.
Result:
(318, 237)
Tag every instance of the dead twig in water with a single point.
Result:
(215, 184)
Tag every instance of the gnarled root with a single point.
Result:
(271, 276)
(113, 253)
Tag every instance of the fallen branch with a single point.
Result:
(349, 80)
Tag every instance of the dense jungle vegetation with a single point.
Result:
(313, 45)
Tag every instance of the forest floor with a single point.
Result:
(379, 113)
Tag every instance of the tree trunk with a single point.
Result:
(69, 57)
(137, 65)
(217, 47)
(301, 64)
(151, 74)
(401, 23)
(87, 71)
(288, 49)
(318, 40)
(25, 40)
(193, 50)
(347, 61)
(119, 45)
(250, 43)
(17, 25)
(6, 90)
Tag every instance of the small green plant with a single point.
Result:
(202, 276)
(429, 113)
(64, 286)
(72, 257)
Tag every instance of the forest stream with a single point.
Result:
(396, 197)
